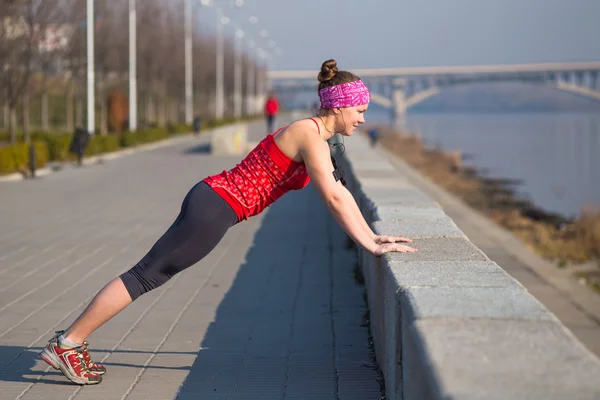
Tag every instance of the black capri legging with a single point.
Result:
(204, 218)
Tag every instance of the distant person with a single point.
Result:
(197, 125)
(315, 108)
(285, 160)
(271, 111)
(373, 136)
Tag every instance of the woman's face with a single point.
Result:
(349, 118)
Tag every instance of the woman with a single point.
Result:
(285, 160)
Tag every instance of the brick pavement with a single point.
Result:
(272, 313)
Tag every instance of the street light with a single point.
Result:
(222, 20)
(189, 99)
(132, 67)
(90, 68)
(260, 84)
(239, 34)
(250, 82)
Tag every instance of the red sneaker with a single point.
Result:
(90, 365)
(70, 362)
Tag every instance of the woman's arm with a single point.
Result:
(379, 239)
(339, 201)
(359, 216)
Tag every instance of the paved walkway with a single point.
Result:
(272, 313)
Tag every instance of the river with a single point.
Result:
(556, 156)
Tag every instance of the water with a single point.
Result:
(555, 155)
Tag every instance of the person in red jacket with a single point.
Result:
(271, 110)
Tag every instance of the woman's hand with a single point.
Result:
(380, 239)
(392, 247)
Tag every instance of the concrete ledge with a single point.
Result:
(495, 359)
(447, 322)
(230, 139)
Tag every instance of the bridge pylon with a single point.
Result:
(398, 100)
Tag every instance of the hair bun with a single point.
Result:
(328, 70)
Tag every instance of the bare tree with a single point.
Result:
(23, 29)
(149, 57)
(55, 32)
(26, 24)
(16, 53)
(74, 60)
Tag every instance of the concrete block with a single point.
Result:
(442, 227)
(451, 274)
(390, 212)
(402, 197)
(438, 249)
(471, 302)
(377, 173)
(227, 140)
(392, 182)
(373, 164)
(496, 359)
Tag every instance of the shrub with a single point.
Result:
(15, 157)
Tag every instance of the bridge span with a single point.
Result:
(398, 89)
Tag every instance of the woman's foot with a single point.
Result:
(91, 366)
(72, 362)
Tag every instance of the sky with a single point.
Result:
(418, 33)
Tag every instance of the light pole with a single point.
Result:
(261, 54)
(239, 34)
(132, 67)
(219, 111)
(220, 98)
(250, 82)
(90, 68)
(189, 100)
(251, 74)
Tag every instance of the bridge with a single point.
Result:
(398, 89)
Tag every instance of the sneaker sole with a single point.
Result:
(56, 364)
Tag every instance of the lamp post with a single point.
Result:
(260, 66)
(261, 56)
(250, 82)
(239, 34)
(219, 110)
(132, 67)
(90, 68)
(189, 99)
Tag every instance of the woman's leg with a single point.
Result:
(203, 221)
(109, 301)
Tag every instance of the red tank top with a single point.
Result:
(265, 175)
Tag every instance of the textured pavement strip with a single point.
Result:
(18, 241)
(24, 318)
(272, 312)
(21, 274)
(18, 193)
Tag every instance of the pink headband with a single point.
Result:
(345, 95)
